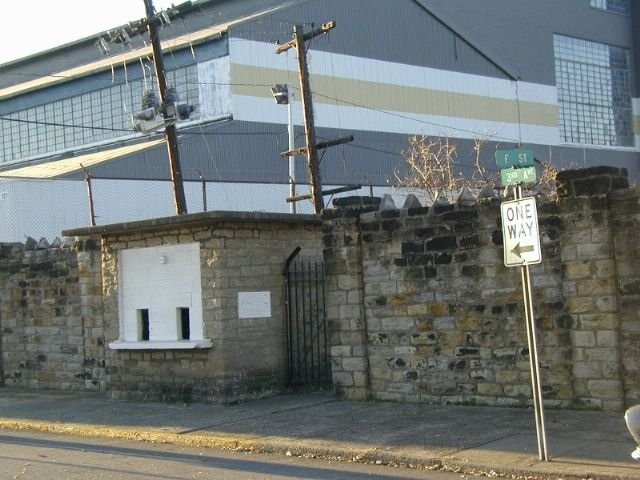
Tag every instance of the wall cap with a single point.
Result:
(192, 219)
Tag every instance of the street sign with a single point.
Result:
(513, 176)
(520, 234)
(514, 158)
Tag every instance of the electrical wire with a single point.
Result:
(65, 125)
(418, 120)
(215, 166)
(335, 99)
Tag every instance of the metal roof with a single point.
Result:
(66, 166)
(188, 39)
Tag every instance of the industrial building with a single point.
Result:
(560, 78)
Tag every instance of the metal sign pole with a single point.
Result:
(533, 355)
(292, 158)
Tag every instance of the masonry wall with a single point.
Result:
(423, 309)
(625, 215)
(51, 315)
(419, 304)
(249, 356)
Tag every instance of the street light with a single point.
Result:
(282, 96)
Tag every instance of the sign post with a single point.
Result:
(521, 241)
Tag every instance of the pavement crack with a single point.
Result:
(252, 417)
(482, 444)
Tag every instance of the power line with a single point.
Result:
(64, 125)
(337, 99)
(418, 120)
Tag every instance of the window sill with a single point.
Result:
(162, 345)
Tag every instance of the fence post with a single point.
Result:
(87, 178)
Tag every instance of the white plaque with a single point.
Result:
(254, 304)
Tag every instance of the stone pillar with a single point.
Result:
(90, 303)
(625, 212)
(589, 283)
(345, 295)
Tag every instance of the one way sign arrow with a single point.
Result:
(519, 249)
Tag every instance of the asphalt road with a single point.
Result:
(37, 455)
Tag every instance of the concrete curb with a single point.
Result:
(288, 446)
(468, 440)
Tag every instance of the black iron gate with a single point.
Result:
(309, 361)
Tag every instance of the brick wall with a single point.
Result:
(424, 310)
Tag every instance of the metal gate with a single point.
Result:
(309, 362)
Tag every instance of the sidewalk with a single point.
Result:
(593, 445)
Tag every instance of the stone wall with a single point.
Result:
(59, 310)
(249, 356)
(51, 315)
(420, 305)
(625, 218)
(423, 309)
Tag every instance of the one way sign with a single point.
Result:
(520, 234)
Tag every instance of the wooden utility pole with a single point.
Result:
(309, 128)
(311, 149)
(170, 130)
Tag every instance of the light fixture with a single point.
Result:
(280, 93)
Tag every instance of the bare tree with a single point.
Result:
(433, 170)
(431, 162)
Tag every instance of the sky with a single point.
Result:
(31, 26)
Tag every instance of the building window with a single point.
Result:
(617, 6)
(106, 114)
(85, 119)
(160, 298)
(594, 92)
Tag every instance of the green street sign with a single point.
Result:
(514, 158)
(513, 176)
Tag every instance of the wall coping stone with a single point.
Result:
(591, 181)
(191, 220)
(30, 244)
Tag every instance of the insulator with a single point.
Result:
(150, 100)
(185, 111)
(103, 46)
(171, 95)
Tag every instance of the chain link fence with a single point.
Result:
(43, 208)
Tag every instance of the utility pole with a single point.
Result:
(170, 130)
(311, 149)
